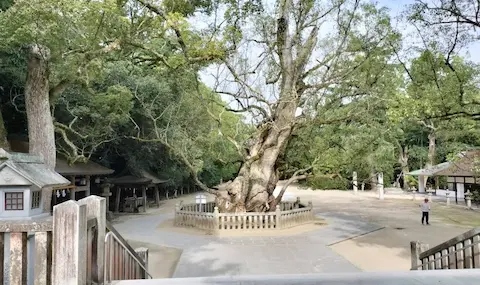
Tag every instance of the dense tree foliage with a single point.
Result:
(119, 81)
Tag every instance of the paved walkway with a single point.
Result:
(214, 256)
(342, 246)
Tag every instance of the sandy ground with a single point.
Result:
(385, 249)
(388, 249)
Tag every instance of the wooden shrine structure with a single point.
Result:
(85, 178)
(132, 191)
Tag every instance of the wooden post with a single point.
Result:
(69, 244)
(87, 193)
(312, 215)
(355, 185)
(216, 220)
(416, 248)
(143, 253)
(278, 217)
(18, 258)
(97, 208)
(2, 256)
(144, 194)
(157, 196)
(117, 199)
(72, 191)
(43, 258)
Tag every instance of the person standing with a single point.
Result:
(425, 206)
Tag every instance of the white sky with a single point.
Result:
(396, 7)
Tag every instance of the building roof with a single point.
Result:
(154, 178)
(130, 179)
(144, 178)
(32, 168)
(62, 166)
(465, 164)
(80, 168)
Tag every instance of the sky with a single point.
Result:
(396, 7)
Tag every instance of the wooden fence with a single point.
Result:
(194, 215)
(67, 249)
(461, 252)
(20, 236)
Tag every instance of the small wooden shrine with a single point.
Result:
(131, 191)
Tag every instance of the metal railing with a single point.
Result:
(121, 263)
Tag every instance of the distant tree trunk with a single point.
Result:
(373, 180)
(3, 134)
(41, 134)
(431, 149)
(431, 152)
(403, 160)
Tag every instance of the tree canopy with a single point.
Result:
(209, 91)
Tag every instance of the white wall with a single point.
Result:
(460, 194)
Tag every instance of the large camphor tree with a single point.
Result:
(278, 58)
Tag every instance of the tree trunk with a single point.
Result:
(431, 153)
(3, 134)
(40, 124)
(373, 180)
(431, 149)
(403, 160)
(252, 190)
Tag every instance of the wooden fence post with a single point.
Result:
(278, 217)
(69, 244)
(2, 256)
(18, 258)
(143, 253)
(416, 248)
(43, 258)
(312, 215)
(97, 208)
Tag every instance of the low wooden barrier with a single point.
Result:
(460, 252)
(68, 248)
(287, 214)
(18, 236)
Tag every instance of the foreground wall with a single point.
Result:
(434, 277)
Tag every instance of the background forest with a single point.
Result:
(167, 86)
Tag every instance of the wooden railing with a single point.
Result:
(247, 221)
(296, 217)
(17, 237)
(80, 229)
(68, 248)
(207, 208)
(199, 216)
(461, 252)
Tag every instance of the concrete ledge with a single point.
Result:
(431, 277)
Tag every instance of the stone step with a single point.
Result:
(428, 277)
